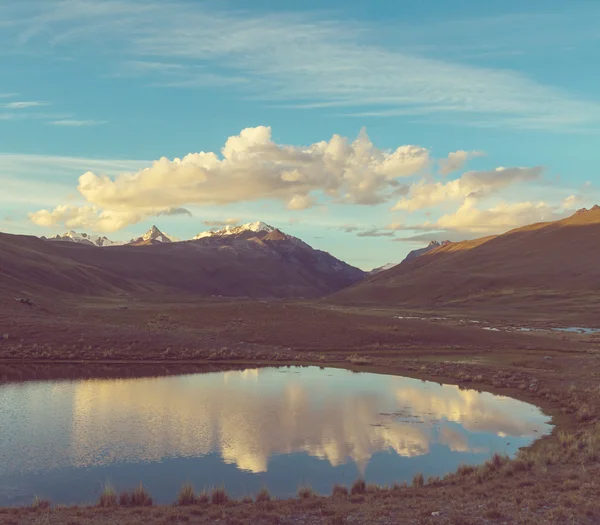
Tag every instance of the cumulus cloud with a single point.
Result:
(456, 160)
(88, 217)
(218, 223)
(250, 167)
(499, 218)
(175, 211)
(472, 185)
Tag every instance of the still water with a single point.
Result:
(273, 427)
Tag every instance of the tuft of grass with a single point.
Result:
(108, 498)
(306, 492)
(40, 503)
(219, 496)
(187, 495)
(465, 470)
(339, 491)
(358, 487)
(203, 498)
(418, 481)
(263, 495)
(138, 497)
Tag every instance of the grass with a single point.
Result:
(306, 492)
(219, 496)
(138, 497)
(263, 495)
(40, 503)
(358, 487)
(339, 491)
(108, 497)
(418, 481)
(187, 495)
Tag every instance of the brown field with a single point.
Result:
(554, 481)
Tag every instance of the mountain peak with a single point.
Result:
(256, 227)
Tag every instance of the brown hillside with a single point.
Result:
(276, 268)
(551, 265)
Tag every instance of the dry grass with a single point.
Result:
(138, 497)
(306, 492)
(358, 487)
(40, 503)
(108, 497)
(418, 481)
(187, 495)
(219, 496)
(339, 491)
(263, 495)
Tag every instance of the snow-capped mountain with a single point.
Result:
(382, 268)
(85, 238)
(256, 227)
(154, 235)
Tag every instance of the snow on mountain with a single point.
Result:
(85, 238)
(382, 268)
(256, 227)
(154, 235)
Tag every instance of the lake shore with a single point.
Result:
(553, 481)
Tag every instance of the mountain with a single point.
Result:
(381, 268)
(152, 236)
(259, 264)
(84, 238)
(415, 253)
(544, 266)
(420, 251)
(251, 227)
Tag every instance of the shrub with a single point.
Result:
(202, 498)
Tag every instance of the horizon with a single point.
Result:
(366, 133)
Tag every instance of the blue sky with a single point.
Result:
(451, 119)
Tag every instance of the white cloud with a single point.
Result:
(473, 184)
(301, 58)
(231, 221)
(77, 123)
(469, 218)
(84, 217)
(24, 105)
(456, 160)
(251, 167)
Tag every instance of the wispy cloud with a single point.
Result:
(304, 59)
(24, 104)
(8, 95)
(77, 123)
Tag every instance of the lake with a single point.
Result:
(245, 429)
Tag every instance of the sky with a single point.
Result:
(365, 128)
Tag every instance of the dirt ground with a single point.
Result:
(557, 480)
